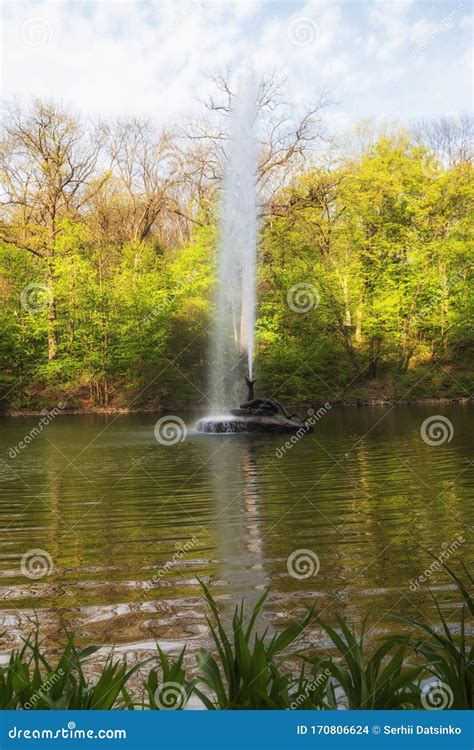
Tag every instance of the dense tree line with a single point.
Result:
(108, 235)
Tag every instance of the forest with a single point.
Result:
(108, 239)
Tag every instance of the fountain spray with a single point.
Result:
(234, 332)
(234, 329)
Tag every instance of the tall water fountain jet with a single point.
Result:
(234, 330)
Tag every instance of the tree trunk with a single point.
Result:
(53, 338)
(358, 324)
(375, 345)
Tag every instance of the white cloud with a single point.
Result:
(114, 57)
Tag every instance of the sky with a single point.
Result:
(383, 59)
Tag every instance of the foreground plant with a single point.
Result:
(449, 658)
(171, 689)
(360, 682)
(243, 674)
(250, 670)
(29, 681)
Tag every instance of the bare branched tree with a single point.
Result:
(153, 173)
(131, 182)
(452, 138)
(285, 134)
(48, 164)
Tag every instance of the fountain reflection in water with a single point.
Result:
(239, 554)
(233, 340)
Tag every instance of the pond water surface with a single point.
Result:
(129, 524)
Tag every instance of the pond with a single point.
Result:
(342, 518)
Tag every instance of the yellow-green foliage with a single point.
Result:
(383, 239)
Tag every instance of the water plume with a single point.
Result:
(234, 328)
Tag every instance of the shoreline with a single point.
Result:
(167, 409)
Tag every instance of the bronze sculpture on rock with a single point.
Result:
(256, 415)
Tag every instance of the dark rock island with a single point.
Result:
(265, 415)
